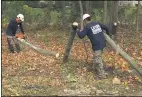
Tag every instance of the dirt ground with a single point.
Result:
(31, 74)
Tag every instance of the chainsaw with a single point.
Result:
(20, 35)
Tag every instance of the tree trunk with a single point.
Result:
(63, 15)
(81, 14)
(3, 7)
(39, 50)
(123, 54)
(87, 7)
(110, 16)
(72, 36)
(137, 18)
(69, 45)
(81, 23)
(90, 6)
(114, 18)
(105, 12)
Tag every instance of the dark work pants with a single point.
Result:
(12, 41)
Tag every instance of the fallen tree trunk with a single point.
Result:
(69, 45)
(39, 50)
(123, 54)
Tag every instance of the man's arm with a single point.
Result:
(83, 33)
(104, 27)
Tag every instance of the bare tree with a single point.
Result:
(72, 36)
(114, 17)
(137, 17)
(63, 15)
(87, 6)
(105, 12)
(81, 14)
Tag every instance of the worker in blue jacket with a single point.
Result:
(14, 25)
(94, 31)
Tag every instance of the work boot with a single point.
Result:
(11, 49)
(101, 74)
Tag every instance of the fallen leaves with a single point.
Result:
(36, 64)
(131, 80)
(116, 81)
(141, 53)
(124, 68)
(112, 59)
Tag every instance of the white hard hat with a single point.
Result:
(75, 24)
(85, 16)
(21, 17)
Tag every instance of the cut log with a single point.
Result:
(132, 62)
(72, 36)
(39, 50)
(69, 45)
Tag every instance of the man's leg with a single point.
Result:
(16, 42)
(10, 44)
(98, 63)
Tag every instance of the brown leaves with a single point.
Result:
(4, 26)
(141, 53)
(30, 60)
(112, 59)
(34, 64)
(116, 81)
(131, 80)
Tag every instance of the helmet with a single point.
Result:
(21, 17)
(75, 24)
(85, 16)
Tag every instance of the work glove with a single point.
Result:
(75, 26)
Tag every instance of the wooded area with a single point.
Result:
(60, 14)
(48, 31)
(108, 39)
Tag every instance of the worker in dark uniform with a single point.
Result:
(94, 31)
(14, 26)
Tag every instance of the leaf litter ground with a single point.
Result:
(30, 73)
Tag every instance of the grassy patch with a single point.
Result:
(29, 85)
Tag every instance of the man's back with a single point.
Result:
(96, 36)
(12, 27)
(94, 31)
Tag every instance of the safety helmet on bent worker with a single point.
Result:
(21, 17)
(86, 16)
